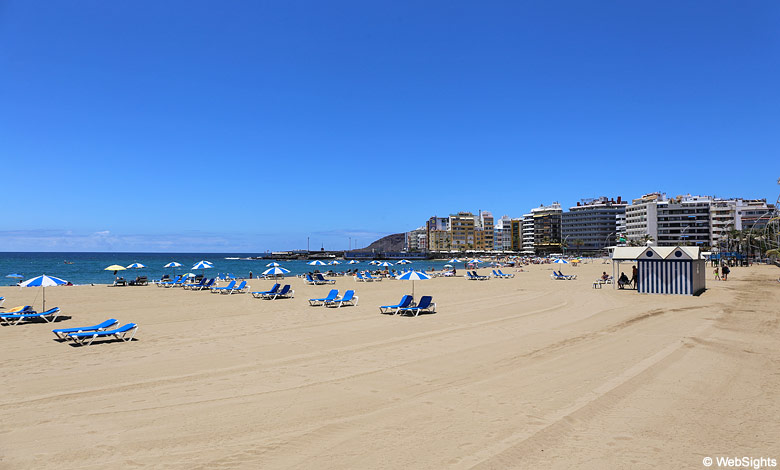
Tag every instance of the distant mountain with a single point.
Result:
(394, 242)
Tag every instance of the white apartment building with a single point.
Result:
(528, 234)
(642, 217)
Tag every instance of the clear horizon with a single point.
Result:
(183, 127)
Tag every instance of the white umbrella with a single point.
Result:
(413, 276)
(316, 262)
(272, 265)
(334, 262)
(136, 266)
(43, 281)
(447, 265)
(189, 275)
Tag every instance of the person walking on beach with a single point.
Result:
(635, 277)
(717, 273)
(726, 272)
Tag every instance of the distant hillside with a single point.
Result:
(394, 242)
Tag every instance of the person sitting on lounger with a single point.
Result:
(623, 281)
(604, 276)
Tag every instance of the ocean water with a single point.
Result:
(88, 268)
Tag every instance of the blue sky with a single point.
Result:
(250, 126)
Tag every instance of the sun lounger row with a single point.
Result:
(26, 314)
(473, 276)
(333, 299)
(275, 292)
(231, 288)
(366, 277)
(317, 280)
(500, 275)
(407, 306)
(85, 335)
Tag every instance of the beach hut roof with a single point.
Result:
(626, 253)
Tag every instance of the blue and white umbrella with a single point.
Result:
(404, 261)
(353, 261)
(272, 265)
(43, 282)
(316, 262)
(560, 261)
(172, 264)
(373, 263)
(136, 266)
(412, 275)
(275, 271)
(334, 262)
(454, 260)
(15, 276)
(475, 261)
(202, 265)
(385, 264)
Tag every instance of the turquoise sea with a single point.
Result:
(88, 268)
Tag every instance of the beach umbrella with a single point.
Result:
(272, 265)
(136, 266)
(404, 261)
(189, 275)
(43, 281)
(275, 271)
(374, 263)
(172, 264)
(475, 261)
(353, 261)
(16, 276)
(412, 275)
(202, 265)
(454, 260)
(334, 262)
(385, 264)
(560, 261)
(316, 262)
(447, 265)
(115, 268)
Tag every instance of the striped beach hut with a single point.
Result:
(666, 269)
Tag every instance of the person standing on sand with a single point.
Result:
(717, 273)
(726, 272)
(635, 277)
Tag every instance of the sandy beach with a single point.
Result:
(519, 373)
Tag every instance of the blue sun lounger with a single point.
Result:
(285, 293)
(406, 301)
(332, 295)
(195, 285)
(16, 318)
(318, 277)
(228, 287)
(62, 333)
(349, 299)
(369, 277)
(241, 288)
(426, 305)
(121, 333)
(273, 290)
(505, 275)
